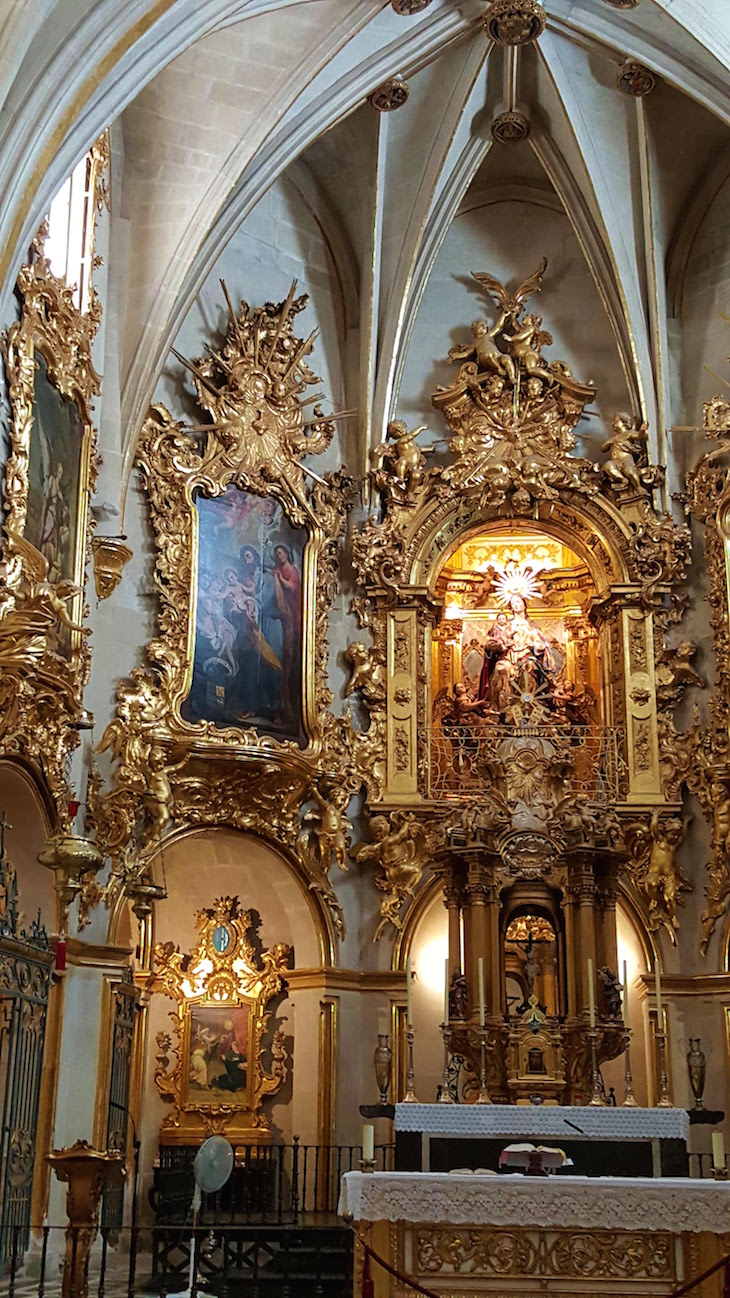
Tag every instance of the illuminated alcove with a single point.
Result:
(427, 945)
(477, 584)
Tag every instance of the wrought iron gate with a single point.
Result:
(25, 979)
(126, 997)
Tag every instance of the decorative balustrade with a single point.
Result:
(548, 762)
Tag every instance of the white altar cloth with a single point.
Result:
(575, 1202)
(554, 1121)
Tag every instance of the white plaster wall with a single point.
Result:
(507, 239)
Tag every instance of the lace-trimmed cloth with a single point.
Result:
(528, 1121)
(575, 1202)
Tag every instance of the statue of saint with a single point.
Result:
(514, 648)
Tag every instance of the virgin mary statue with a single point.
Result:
(515, 650)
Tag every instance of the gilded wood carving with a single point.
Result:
(513, 467)
(247, 542)
(223, 988)
(49, 477)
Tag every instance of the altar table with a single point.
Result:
(600, 1140)
(587, 1237)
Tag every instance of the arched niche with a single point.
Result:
(199, 865)
(28, 827)
(424, 939)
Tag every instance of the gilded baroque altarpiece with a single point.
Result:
(277, 761)
(49, 478)
(230, 724)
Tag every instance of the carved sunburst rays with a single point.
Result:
(518, 578)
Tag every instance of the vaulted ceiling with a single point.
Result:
(218, 100)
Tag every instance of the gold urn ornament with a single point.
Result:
(111, 556)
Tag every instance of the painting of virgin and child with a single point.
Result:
(247, 666)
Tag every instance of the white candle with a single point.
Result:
(383, 1029)
(409, 999)
(718, 1151)
(591, 994)
(446, 990)
(368, 1142)
(658, 989)
(625, 997)
(480, 987)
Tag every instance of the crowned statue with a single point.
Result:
(515, 652)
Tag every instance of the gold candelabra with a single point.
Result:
(664, 1101)
(410, 1096)
(446, 1097)
(483, 1096)
(596, 1099)
(629, 1100)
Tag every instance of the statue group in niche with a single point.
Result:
(519, 665)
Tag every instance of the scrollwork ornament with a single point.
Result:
(251, 391)
(41, 694)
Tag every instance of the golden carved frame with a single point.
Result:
(234, 978)
(256, 434)
(47, 687)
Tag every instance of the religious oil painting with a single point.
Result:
(247, 665)
(54, 475)
(219, 1048)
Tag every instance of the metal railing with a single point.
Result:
(248, 1261)
(278, 1184)
(466, 758)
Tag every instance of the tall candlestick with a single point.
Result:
(718, 1151)
(446, 990)
(591, 994)
(409, 1000)
(625, 998)
(368, 1142)
(658, 991)
(480, 985)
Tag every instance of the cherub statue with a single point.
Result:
(720, 803)
(676, 666)
(158, 798)
(485, 351)
(328, 829)
(400, 848)
(399, 463)
(41, 599)
(657, 874)
(624, 448)
(482, 588)
(368, 675)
